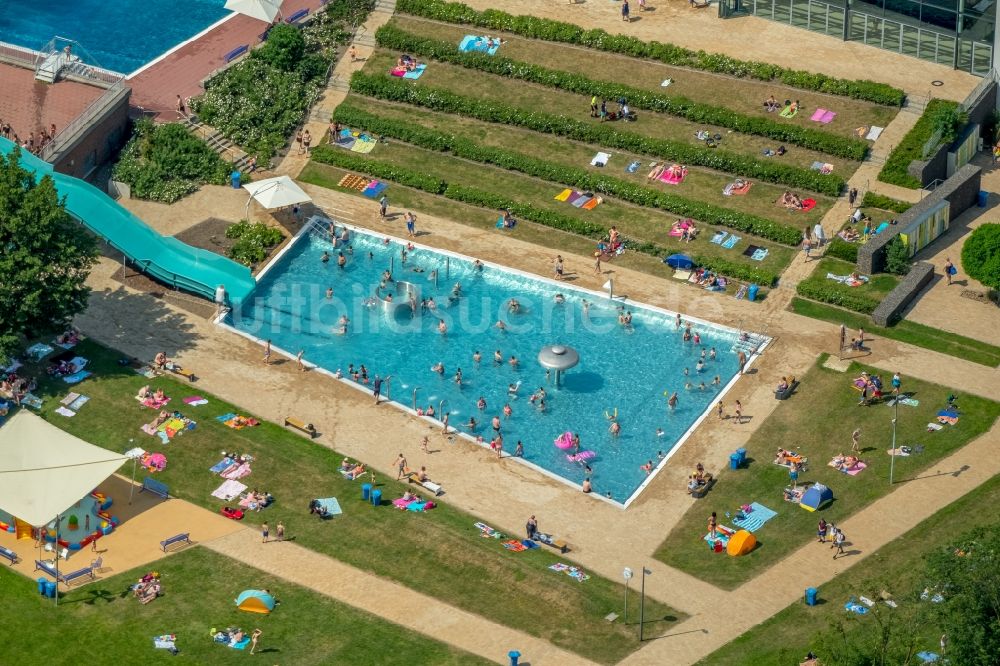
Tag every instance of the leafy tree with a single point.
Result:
(981, 255)
(45, 257)
(284, 47)
(967, 574)
(897, 257)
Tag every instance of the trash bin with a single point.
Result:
(366, 491)
(50, 589)
(742, 453)
(377, 497)
(235, 178)
(752, 292)
(514, 656)
(41, 586)
(983, 198)
(734, 461)
(810, 596)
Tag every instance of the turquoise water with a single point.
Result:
(121, 35)
(620, 369)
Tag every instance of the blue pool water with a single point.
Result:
(619, 369)
(121, 35)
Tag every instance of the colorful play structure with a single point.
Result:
(81, 524)
(163, 257)
(255, 601)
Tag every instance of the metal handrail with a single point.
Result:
(74, 126)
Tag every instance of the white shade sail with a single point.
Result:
(276, 192)
(264, 10)
(45, 470)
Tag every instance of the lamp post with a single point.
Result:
(892, 458)
(642, 600)
(131, 488)
(627, 574)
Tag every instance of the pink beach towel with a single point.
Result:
(857, 469)
(669, 179)
(828, 117)
(818, 115)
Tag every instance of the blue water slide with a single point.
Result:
(163, 257)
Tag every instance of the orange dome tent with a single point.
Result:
(741, 543)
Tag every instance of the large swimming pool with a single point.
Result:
(121, 35)
(623, 370)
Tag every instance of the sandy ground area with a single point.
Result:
(145, 522)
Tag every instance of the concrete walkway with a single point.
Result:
(389, 600)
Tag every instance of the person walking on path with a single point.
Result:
(819, 234)
(267, 353)
(807, 248)
(298, 361)
(949, 269)
(838, 543)
(557, 267)
(821, 530)
(739, 412)
(742, 359)
(843, 336)
(625, 16)
(306, 142)
(279, 531)
(353, 52)
(531, 527)
(298, 140)
(400, 466)
(254, 637)
(897, 383)
(377, 387)
(411, 224)
(181, 110)
(852, 196)
(264, 532)
(383, 206)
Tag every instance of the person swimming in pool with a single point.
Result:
(476, 357)
(513, 306)
(481, 404)
(458, 376)
(615, 428)
(497, 358)
(438, 368)
(507, 411)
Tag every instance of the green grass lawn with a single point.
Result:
(818, 421)
(909, 332)
(741, 95)
(199, 588)
(700, 184)
(439, 552)
(633, 221)
(533, 97)
(786, 637)
(878, 286)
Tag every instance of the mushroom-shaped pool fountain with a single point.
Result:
(558, 358)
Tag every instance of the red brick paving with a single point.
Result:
(30, 105)
(181, 73)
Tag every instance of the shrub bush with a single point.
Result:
(557, 31)
(981, 255)
(897, 257)
(894, 171)
(258, 103)
(826, 291)
(253, 241)
(384, 87)
(841, 249)
(571, 176)
(165, 163)
(391, 37)
(875, 200)
(476, 197)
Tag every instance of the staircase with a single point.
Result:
(388, 6)
(220, 144)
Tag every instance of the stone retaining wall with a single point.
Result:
(896, 301)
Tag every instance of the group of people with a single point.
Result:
(147, 588)
(32, 143)
(698, 480)
(600, 110)
(15, 387)
(674, 171)
(790, 200)
(686, 229)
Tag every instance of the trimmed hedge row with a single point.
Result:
(895, 171)
(835, 294)
(570, 176)
(875, 200)
(391, 37)
(437, 99)
(841, 249)
(557, 31)
(476, 197)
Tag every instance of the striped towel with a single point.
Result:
(755, 519)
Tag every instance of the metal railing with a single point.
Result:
(977, 92)
(18, 55)
(83, 66)
(72, 129)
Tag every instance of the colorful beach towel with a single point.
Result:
(39, 351)
(673, 179)
(62, 411)
(152, 402)
(478, 43)
(808, 205)
(331, 505)
(241, 645)
(416, 73)
(31, 400)
(722, 534)
(788, 112)
(195, 401)
(753, 520)
(731, 242)
(76, 377)
(364, 146)
(572, 572)
(165, 642)
(514, 545)
(78, 402)
(633, 166)
(566, 194)
(488, 532)
(719, 237)
(228, 490)
(221, 465)
(374, 189)
(817, 114)
(582, 201)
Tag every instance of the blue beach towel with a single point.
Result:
(225, 417)
(78, 403)
(242, 644)
(731, 242)
(754, 520)
(759, 255)
(578, 202)
(221, 465)
(331, 505)
(719, 237)
(76, 377)
(374, 189)
(415, 74)
(477, 43)
(632, 167)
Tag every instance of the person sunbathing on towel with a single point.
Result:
(346, 465)
(790, 200)
(675, 171)
(771, 104)
(143, 393)
(656, 172)
(357, 471)
(159, 396)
